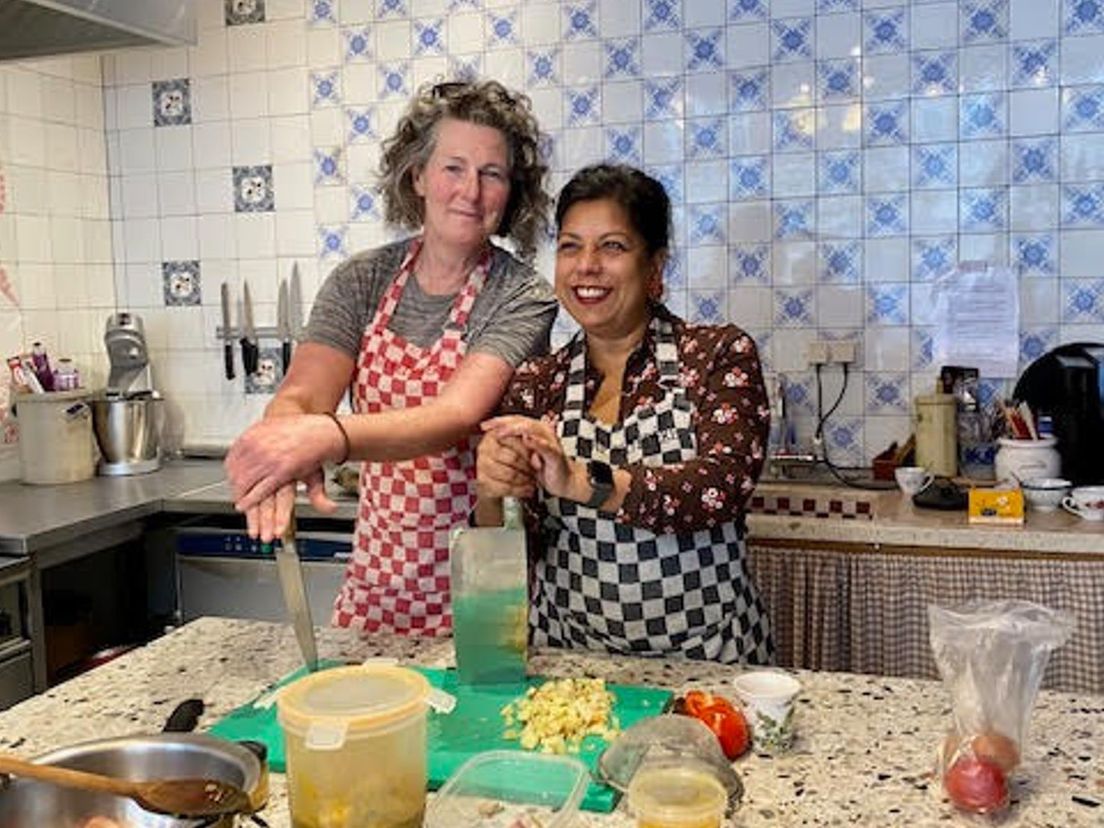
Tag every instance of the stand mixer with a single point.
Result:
(126, 417)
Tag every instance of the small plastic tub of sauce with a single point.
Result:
(677, 794)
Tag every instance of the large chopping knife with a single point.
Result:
(283, 325)
(295, 304)
(227, 339)
(250, 351)
(290, 571)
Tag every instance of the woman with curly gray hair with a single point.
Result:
(425, 333)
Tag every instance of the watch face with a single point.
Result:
(600, 474)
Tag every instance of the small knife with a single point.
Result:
(227, 339)
(295, 304)
(283, 325)
(290, 570)
(250, 352)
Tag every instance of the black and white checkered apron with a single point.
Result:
(608, 586)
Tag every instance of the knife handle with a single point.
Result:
(285, 354)
(228, 359)
(250, 355)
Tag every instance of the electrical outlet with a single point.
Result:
(818, 352)
(842, 351)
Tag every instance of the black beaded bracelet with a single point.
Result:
(344, 436)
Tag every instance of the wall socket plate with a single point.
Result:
(831, 351)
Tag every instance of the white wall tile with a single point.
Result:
(246, 47)
(1082, 60)
(1032, 112)
(934, 25)
(248, 95)
(1080, 253)
(209, 56)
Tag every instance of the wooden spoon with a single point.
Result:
(176, 797)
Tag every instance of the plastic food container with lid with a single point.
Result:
(677, 793)
(511, 788)
(356, 747)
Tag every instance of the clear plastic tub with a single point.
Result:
(511, 788)
(677, 793)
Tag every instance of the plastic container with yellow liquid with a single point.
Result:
(677, 793)
(356, 747)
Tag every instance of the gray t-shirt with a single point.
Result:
(511, 318)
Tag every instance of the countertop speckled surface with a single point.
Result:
(863, 755)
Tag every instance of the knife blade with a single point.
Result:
(295, 303)
(290, 570)
(250, 351)
(283, 324)
(227, 338)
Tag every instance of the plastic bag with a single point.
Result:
(991, 656)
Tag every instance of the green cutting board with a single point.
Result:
(474, 726)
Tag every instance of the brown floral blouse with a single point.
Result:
(720, 372)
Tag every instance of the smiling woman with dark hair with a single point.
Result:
(425, 333)
(637, 443)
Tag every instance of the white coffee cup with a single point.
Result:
(768, 698)
(1086, 502)
(912, 479)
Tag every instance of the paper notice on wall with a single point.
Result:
(977, 319)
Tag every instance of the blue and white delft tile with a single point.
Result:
(623, 145)
(749, 264)
(358, 44)
(325, 88)
(663, 99)
(791, 39)
(322, 13)
(662, 15)
(707, 224)
(1082, 301)
(1082, 17)
(982, 209)
(1033, 255)
(253, 189)
(982, 115)
(887, 304)
(792, 129)
(747, 11)
(836, 6)
(1083, 109)
(708, 307)
(461, 5)
(990, 390)
(932, 257)
(363, 203)
(934, 166)
(840, 262)
(1034, 63)
(838, 172)
(361, 125)
(887, 214)
(1034, 161)
(172, 102)
(748, 177)
(269, 372)
(1035, 342)
(706, 139)
(886, 393)
(394, 8)
(546, 147)
(1083, 205)
(332, 241)
(800, 397)
(502, 28)
(240, 12)
(180, 284)
(622, 58)
(747, 90)
(429, 37)
(328, 167)
(466, 67)
(674, 272)
(704, 50)
(793, 219)
(793, 308)
(671, 177)
(886, 123)
(580, 21)
(843, 440)
(885, 32)
(934, 73)
(544, 67)
(394, 80)
(921, 348)
(583, 105)
(983, 22)
(837, 79)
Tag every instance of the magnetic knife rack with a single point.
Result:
(235, 333)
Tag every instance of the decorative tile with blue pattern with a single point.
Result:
(793, 308)
(983, 22)
(662, 99)
(749, 264)
(360, 123)
(394, 80)
(748, 177)
(887, 123)
(704, 50)
(1034, 342)
(623, 145)
(1034, 63)
(332, 241)
(934, 166)
(1082, 301)
(502, 28)
(982, 209)
(328, 167)
(982, 115)
(544, 67)
(622, 58)
(792, 129)
(662, 15)
(932, 257)
(708, 307)
(1082, 17)
(582, 105)
(886, 393)
(1083, 109)
(1033, 161)
(253, 189)
(747, 90)
(747, 11)
(790, 39)
(322, 12)
(359, 44)
(934, 73)
(840, 262)
(428, 37)
(363, 203)
(838, 172)
(887, 304)
(887, 215)
(325, 88)
(708, 223)
(1083, 205)
(837, 79)
(793, 219)
(885, 32)
(580, 21)
(706, 138)
(1033, 255)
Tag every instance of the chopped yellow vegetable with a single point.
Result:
(558, 715)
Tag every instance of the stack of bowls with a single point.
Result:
(1045, 494)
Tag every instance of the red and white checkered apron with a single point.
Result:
(398, 578)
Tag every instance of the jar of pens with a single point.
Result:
(1028, 448)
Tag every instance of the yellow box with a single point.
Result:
(996, 506)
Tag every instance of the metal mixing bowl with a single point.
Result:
(25, 802)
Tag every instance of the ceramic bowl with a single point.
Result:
(1045, 494)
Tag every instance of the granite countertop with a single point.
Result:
(863, 756)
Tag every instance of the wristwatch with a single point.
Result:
(600, 477)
